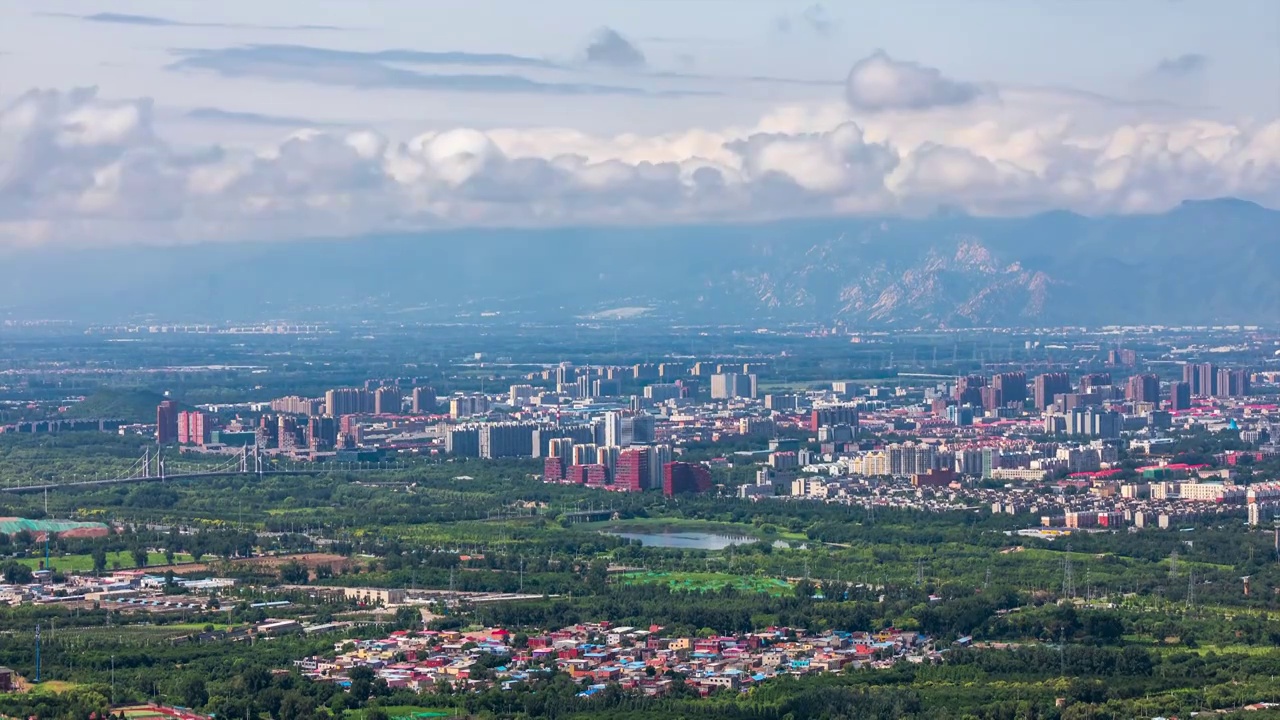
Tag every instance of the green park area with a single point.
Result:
(708, 581)
(83, 562)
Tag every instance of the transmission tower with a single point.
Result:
(1068, 576)
(1191, 588)
(1173, 564)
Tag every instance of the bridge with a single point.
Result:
(154, 466)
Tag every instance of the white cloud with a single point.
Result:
(78, 168)
(878, 82)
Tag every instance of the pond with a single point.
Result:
(690, 540)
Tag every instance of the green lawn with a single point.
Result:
(399, 711)
(660, 524)
(84, 562)
(703, 581)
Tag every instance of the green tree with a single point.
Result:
(15, 573)
(99, 558)
(192, 691)
(139, 556)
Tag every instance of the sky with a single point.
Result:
(179, 121)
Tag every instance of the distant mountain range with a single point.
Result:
(1203, 262)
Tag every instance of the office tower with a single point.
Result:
(632, 470)
(833, 415)
(961, 415)
(499, 440)
(518, 395)
(166, 422)
(1012, 386)
(1143, 388)
(322, 432)
(1092, 380)
(1180, 396)
(423, 401)
(386, 401)
(1048, 385)
(969, 390)
(193, 428)
(681, 477)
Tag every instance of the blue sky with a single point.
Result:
(423, 114)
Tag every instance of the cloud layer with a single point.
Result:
(78, 168)
(879, 82)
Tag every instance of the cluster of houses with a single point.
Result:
(599, 654)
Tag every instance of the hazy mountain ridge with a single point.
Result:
(1203, 262)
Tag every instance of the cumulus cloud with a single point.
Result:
(78, 168)
(878, 82)
(1181, 66)
(607, 47)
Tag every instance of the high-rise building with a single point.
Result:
(518, 395)
(584, 453)
(682, 477)
(192, 428)
(833, 415)
(423, 401)
(1012, 386)
(296, 405)
(468, 405)
(348, 401)
(1208, 380)
(386, 401)
(1090, 381)
(659, 456)
(608, 457)
(463, 441)
(969, 389)
(166, 422)
(1191, 376)
(1180, 396)
(632, 470)
(672, 371)
(322, 432)
(644, 371)
(661, 392)
(606, 388)
(990, 397)
(1232, 383)
(287, 433)
(1122, 357)
(498, 440)
(643, 428)
(553, 469)
(1143, 388)
(1048, 385)
(613, 430)
(732, 385)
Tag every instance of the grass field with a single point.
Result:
(702, 582)
(659, 524)
(403, 711)
(84, 563)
